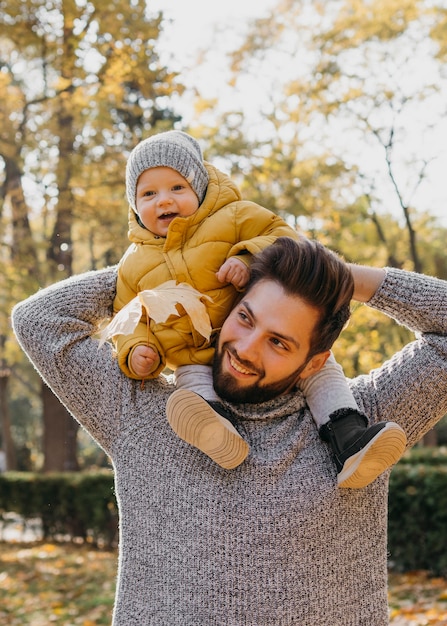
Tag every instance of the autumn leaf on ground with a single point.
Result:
(66, 584)
(160, 303)
(74, 585)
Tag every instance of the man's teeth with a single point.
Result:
(238, 367)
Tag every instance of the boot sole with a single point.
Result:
(196, 422)
(383, 451)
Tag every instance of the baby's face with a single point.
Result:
(162, 195)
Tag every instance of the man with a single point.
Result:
(275, 541)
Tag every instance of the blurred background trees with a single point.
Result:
(339, 129)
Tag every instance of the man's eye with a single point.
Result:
(278, 343)
(243, 316)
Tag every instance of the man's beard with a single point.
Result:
(227, 387)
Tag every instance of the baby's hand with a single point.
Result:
(234, 271)
(143, 361)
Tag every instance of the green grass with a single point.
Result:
(48, 583)
(70, 585)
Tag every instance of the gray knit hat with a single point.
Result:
(174, 149)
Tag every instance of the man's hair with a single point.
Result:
(308, 270)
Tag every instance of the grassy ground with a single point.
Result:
(45, 583)
(417, 599)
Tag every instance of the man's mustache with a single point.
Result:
(247, 364)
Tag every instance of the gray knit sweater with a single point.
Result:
(273, 542)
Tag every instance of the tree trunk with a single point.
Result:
(23, 250)
(430, 440)
(7, 445)
(60, 431)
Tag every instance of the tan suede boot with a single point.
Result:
(205, 425)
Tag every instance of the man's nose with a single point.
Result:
(248, 347)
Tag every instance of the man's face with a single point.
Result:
(263, 346)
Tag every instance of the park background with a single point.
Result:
(331, 113)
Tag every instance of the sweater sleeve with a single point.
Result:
(410, 388)
(54, 327)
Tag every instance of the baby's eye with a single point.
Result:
(178, 187)
(149, 193)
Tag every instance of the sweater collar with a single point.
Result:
(281, 406)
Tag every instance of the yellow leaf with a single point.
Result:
(48, 547)
(124, 322)
(160, 303)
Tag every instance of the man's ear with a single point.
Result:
(315, 364)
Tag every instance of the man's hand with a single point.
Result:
(234, 271)
(143, 361)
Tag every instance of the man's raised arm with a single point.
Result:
(54, 327)
(367, 280)
(410, 388)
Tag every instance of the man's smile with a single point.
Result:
(236, 366)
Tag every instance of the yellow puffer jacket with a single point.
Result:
(193, 251)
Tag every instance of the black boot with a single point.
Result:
(362, 452)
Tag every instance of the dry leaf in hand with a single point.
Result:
(160, 303)
(124, 322)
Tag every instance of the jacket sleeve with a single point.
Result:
(125, 344)
(257, 228)
(142, 335)
(56, 328)
(410, 388)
